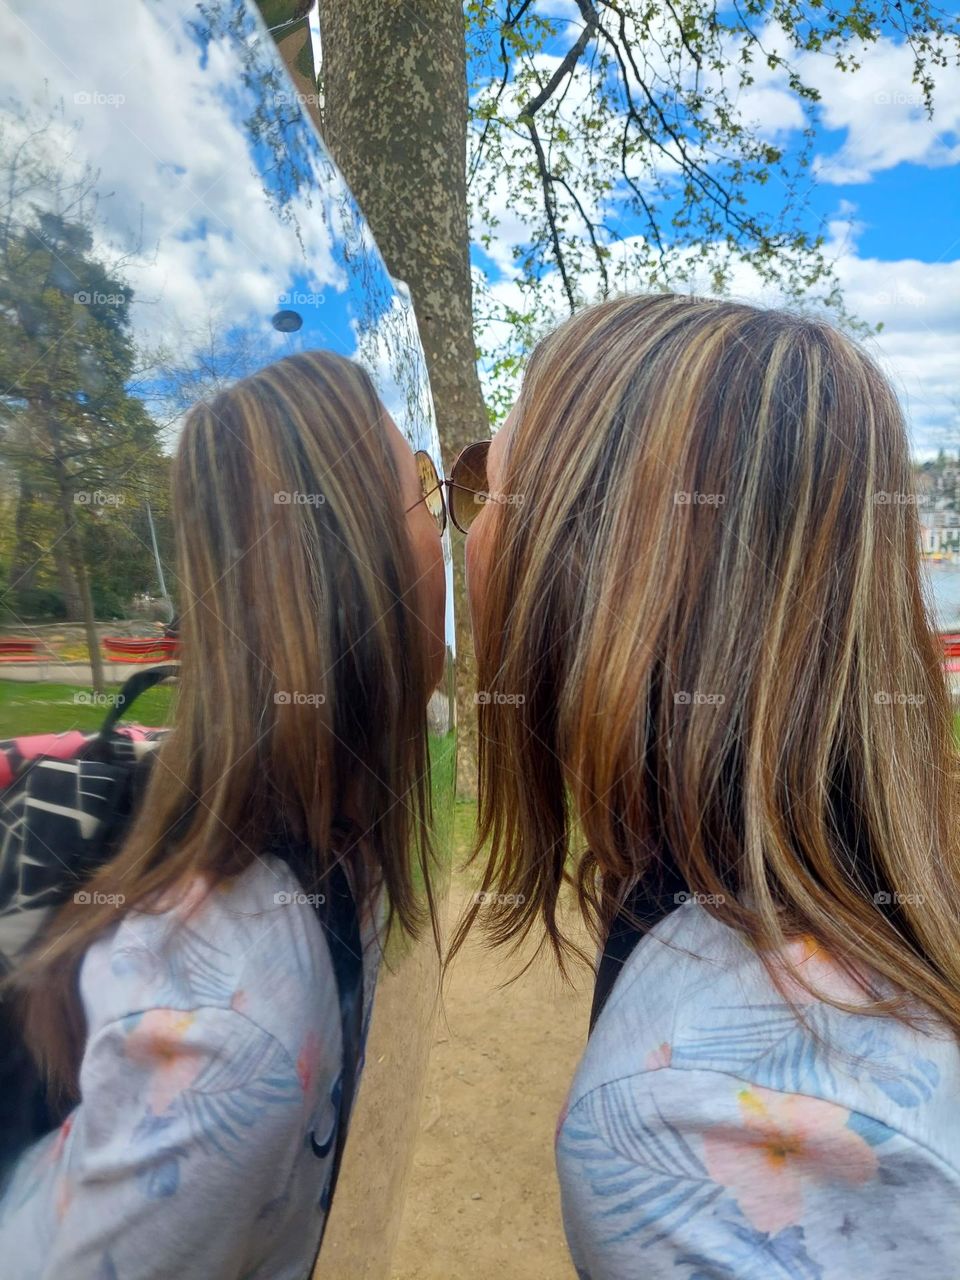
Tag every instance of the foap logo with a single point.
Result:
(293, 897)
(297, 298)
(289, 98)
(296, 499)
(885, 899)
(94, 98)
(487, 899)
(884, 499)
(897, 699)
(97, 498)
(685, 899)
(294, 698)
(684, 498)
(94, 898)
(89, 698)
(898, 98)
(93, 298)
(697, 699)
(481, 498)
(493, 697)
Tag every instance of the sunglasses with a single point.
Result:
(467, 485)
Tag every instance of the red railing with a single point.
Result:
(123, 649)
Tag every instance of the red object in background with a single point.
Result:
(16, 650)
(123, 649)
(951, 643)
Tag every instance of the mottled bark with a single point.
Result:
(23, 565)
(395, 119)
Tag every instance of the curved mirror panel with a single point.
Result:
(170, 223)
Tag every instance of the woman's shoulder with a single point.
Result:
(695, 996)
(716, 1123)
(252, 945)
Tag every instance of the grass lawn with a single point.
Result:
(40, 707)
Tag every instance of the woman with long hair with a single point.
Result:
(187, 1004)
(713, 704)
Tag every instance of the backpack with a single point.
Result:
(651, 900)
(66, 803)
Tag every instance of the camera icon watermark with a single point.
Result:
(884, 499)
(685, 698)
(886, 699)
(94, 98)
(294, 698)
(685, 899)
(94, 898)
(293, 897)
(290, 98)
(90, 698)
(298, 298)
(283, 498)
(86, 298)
(481, 497)
(486, 698)
(886, 899)
(684, 498)
(486, 898)
(98, 498)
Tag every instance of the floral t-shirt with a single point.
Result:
(203, 1144)
(710, 1135)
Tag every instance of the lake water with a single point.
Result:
(945, 580)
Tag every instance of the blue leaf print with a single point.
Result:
(765, 1043)
(668, 1184)
(873, 1132)
(233, 1092)
(916, 1085)
(756, 1255)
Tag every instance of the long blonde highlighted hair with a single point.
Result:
(301, 712)
(709, 609)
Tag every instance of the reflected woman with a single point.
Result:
(190, 1008)
(699, 614)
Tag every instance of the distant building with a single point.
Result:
(939, 531)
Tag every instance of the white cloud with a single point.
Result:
(918, 304)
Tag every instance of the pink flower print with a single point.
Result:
(564, 1111)
(157, 1043)
(184, 900)
(63, 1195)
(659, 1057)
(785, 1141)
(308, 1060)
(63, 1133)
(805, 958)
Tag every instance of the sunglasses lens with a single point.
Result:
(431, 489)
(469, 488)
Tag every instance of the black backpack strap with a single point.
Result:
(341, 923)
(648, 902)
(138, 683)
(336, 908)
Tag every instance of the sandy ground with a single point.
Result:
(482, 1199)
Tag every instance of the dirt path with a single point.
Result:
(482, 1200)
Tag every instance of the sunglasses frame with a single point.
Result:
(442, 482)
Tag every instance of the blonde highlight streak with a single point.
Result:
(602, 603)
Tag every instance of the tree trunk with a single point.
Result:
(24, 562)
(74, 545)
(69, 587)
(395, 119)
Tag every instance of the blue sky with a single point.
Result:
(886, 193)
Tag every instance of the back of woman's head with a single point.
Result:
(709, 610)
(301, 711)
(304, 673)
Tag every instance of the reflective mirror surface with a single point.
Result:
(171, 222)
